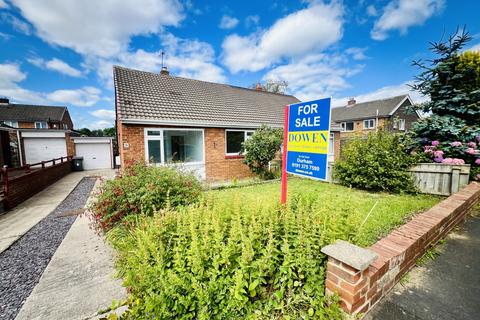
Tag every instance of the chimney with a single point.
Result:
(164, 71)
(351, 102)
(4, 100)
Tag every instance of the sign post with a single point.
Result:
(305, 141)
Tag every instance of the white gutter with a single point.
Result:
(198, 124)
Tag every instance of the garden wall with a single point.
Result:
(23, 186)
(362, 276)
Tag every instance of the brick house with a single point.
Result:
(9, 146)
(358, 119)
(34, 117)
(162, 118)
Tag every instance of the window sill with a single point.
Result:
(234, 156)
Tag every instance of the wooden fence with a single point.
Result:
(439, 178)
(19, 184)
(433, 178)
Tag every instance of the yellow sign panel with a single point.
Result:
(308, 141)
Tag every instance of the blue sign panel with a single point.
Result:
(308, 138)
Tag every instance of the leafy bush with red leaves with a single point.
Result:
(142, 190)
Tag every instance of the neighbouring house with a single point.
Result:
(42, 132)
(9, 146)
(358, 119)
(25, 116)
(201, 125)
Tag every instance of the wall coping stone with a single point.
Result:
(350, 254)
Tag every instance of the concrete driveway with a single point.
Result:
(16, 222)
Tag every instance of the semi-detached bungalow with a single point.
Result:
(164, 119)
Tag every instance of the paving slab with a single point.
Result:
(79, 281)
(445, 288)
(16, 222)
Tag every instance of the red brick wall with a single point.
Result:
(336, 145)
(26, 125)
(23, 187)
(397, 253)
(133, 135)
(217, 166)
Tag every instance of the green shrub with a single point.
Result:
(239, 255)
(261, 149)
(143, 189)
(377, 163)
(230, 259)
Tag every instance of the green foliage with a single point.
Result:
(239, 254)
(452, 82)
(141, 190)
(378, 163)
(261, 148)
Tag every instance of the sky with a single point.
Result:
(61, 52)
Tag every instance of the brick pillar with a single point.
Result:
(348, 275)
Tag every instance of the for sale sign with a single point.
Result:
(308, 138)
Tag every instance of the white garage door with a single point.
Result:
(44, 149)
(95, 155)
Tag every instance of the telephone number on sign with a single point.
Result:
(305, 166)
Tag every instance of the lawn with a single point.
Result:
(338, 202)
(240, 255)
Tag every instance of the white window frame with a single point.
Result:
(368, 127)
(11, 123)
(344, 126)
(40, 125)
(245, 137)
(162, 147)
(401, 124)
(331, 143)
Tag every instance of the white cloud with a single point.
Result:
(185, 58)
(104, 114)
(3, 4)
(10, 77)
(383, 93)
(101, 28)
(228, 22)
(372, 11)
(357, 53)
(56, 64)
(100, 124)
(17, 24)
(83, 97)
(315, 76)
(402, 14)
(300, 33)
(63, 67)
(252, 21)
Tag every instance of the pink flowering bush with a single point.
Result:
(453, 161)
(454, 153)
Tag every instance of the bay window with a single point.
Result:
(165, 146)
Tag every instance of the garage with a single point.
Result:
(43, 146)
(97, 152)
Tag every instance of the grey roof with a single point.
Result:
(367, 109)
(145, 96)
(24, 112)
